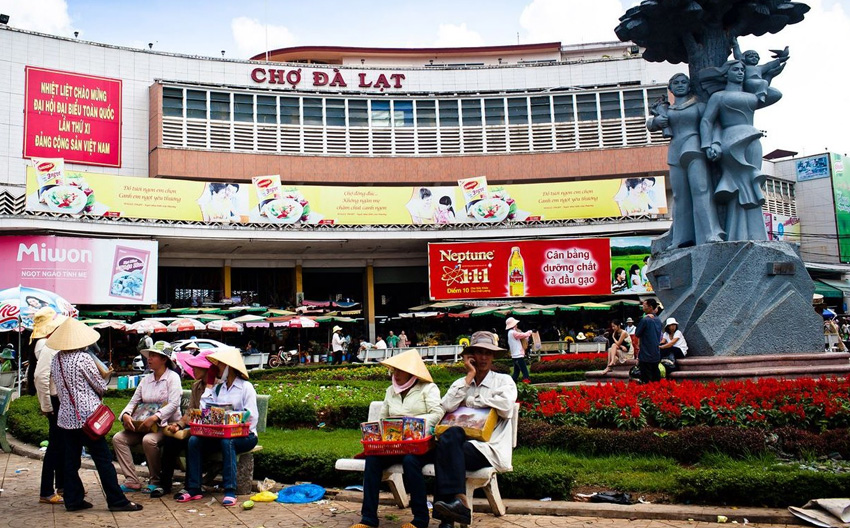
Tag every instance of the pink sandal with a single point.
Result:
(229, 501)
(188, 498)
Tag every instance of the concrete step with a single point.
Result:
(766, 372)
(762, 361)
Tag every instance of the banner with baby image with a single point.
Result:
(83, 270)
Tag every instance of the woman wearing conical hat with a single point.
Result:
(411, 393)
(235, 391)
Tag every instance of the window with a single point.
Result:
(290, 111)
(426, 113)
(540, 110)
(494, 111)
(266, 109)
(563, 108)
(172, 102)
(335, 112)
(380, 113)
(196, 104)
(403, 113)
(243, 108)
(586, 105)
(220, 106)
(633, 103)
(358, 113)
(654, 94)
(518, 111)
(448, 113)
(312, 111)
(471, 109)
(609, 104)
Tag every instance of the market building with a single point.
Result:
(325, 172)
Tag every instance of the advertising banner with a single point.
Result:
(629, 262)
(82, 270)
(783, 228)
(812, 168)
(531, 268)
(269, 200)
(72, 116)
(841, 192)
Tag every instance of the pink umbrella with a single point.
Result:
(186, 325)
(295, 322)
(221, 325)
(146, 325)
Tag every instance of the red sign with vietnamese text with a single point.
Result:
(72, 116)
(533, 268)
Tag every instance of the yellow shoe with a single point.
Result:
(53, 499)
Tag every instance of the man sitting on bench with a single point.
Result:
(480, 388)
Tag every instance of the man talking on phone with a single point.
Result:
(455, 455)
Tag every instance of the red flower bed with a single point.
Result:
(814, 404)
(574, 357)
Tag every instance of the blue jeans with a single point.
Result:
(519, 365)
(228, 447)
(75, 439)
(53, 466)
(414, 483)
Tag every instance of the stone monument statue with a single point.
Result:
(731, 289)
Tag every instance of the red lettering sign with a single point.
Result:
(533, 268)
(321, 78)
(72, 116)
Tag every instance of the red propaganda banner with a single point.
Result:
(534, 268)
(72, 116)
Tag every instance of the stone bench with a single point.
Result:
(485, 478)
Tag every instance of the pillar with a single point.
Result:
(299, 283)
(370, 300)
(226, 287)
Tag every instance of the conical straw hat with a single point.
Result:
(45, 321)
(410, 362)
(232, 358)
(72, 335)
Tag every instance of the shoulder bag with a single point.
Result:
(99, 422)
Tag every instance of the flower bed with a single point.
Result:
(574, 357)
(813, 404)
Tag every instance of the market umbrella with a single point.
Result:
(298, 322)
(828, 314)
(224, 326)
(186, 325)
(586, 306)
(146, 325)
(247, 318)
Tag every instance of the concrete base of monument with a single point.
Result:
(743, 367)
(738, 298)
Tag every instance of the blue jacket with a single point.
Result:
(649, 331)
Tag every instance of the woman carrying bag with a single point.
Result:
(81, 387)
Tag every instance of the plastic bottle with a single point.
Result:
(516, 274)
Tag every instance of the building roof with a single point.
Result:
(335, 54)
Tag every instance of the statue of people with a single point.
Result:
(695, 218)
(757, 77)
(730, 139)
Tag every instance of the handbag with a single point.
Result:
(99, 422)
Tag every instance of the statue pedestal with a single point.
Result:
(738, 298)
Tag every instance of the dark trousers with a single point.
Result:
(649, 371)
(337, 358)
(677, 353)
(455, 456)
(520, 366)
(228, 447)
(53, 466)
(171, 449)
(75, 439)
(414, 483)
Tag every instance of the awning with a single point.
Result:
(832, 289)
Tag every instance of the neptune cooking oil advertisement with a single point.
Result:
(83, 270)
(52, 187)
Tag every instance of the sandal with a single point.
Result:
(53, 499)
(148, 489)
(129, 507)
(229, 500)
(157, 492)
(127, 489)
(188, 497)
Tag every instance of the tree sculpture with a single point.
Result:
(701, 32)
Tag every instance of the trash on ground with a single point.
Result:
(354, 488)
(211, 502)
(722, 518)
(264, 496)
(301, 494)
(546, 499)
(611, 497)
(248, 504)
(266, 485)
(643, 501)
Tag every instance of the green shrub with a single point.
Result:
(759, 486)
(537, 480)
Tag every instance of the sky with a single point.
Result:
(800, 122)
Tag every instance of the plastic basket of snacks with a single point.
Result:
(395, 436)
(219, 422)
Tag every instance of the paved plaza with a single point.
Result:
(19, 507)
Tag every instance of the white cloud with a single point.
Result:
(457, 36)
(45, 16)
(250, 36)
(573, 22)
(812, 114)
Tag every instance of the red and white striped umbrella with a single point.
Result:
(146, 325)
(186, 325)
(298, 322)
(110, 323)
(221, 325)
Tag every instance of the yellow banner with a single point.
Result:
(267, 200)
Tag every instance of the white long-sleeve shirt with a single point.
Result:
(44, 385)
(337, 342)
(496, 391)
(241, 395)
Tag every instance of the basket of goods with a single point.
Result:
(219, 422)
(396, 436)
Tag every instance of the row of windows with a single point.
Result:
(779, 197)
(423, 113)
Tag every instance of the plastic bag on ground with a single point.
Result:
(611, 497)
(301, 494)
(264, 496)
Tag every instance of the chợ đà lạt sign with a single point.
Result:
(72, 116)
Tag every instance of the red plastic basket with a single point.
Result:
(404, 447)
(220, 431)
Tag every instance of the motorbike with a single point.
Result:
(283, 357)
